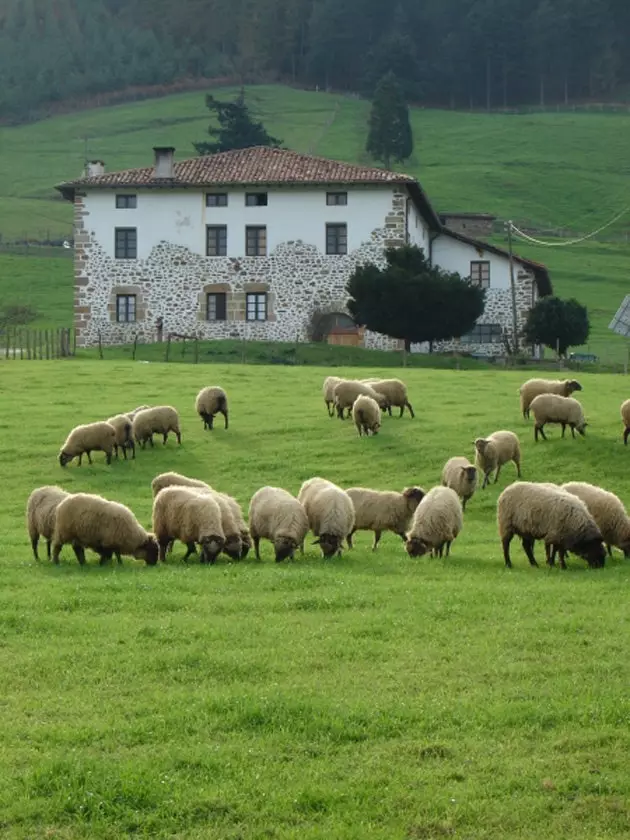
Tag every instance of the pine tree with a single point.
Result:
(389, 136)
(237, 129)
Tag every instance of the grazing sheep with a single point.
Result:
(329, 393)
(550, 408)
(437, 520)
(88, 521)
(160, 419)
(395, 391)
(330, 513)
(276, 515)
(608, 511)
(238, 540)
(494, 451)
(625, 416)
(41, 508)
(366, 415)
(193, 517)
(383, 510)
(173, 479)
(209, 402)
(91, 437)
(131, 414)
(543, 512)
(124, 437)
(533, 387)
(346, 392)
(461, 476)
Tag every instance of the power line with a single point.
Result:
(529, 238)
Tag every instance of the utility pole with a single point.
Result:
(512, 288)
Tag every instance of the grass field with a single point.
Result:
(371, 696)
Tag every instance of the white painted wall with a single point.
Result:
(417, 228)
(452, 255)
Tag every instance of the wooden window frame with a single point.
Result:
(256, 241)
(126, 201)
(216, 199)
(256, 199)
(128, 310)
(477, 272)
(122, 248)
(219, 309)
(336, 199)
(336, 239)
(219, 244)
(256, 303)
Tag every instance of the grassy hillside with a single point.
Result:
(370, 696)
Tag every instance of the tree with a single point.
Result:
(236, 130)
(557, 323)
(412, 300)
(389, 136)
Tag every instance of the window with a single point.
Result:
(336, 199)
(126, 243)
(126, 202)
(256, 306)
(216, 241)
(480, 274)
(258, 199)
(216, 306)
(336, 239)
(256, 241)
(125, 308)
(216, 200)
(484, 334)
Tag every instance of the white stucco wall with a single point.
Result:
(452, 255)
(417, 228)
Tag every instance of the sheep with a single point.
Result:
(124, 437)
(160, 419)
(625, 416)
(91, 437)
(88, 521)
(330, 513)
(170, 479)
(533, 387)
(395, 391)
(492, 452)
(436, 522)
(209, 402)
(276, 515)
(329, 393)
(461, 476)
(346, 392)
(131, 414)
(41, 508)
(550, 408)
(185, 514)
(238, 540)
(608, 511)
(383, 510)
(366, 415)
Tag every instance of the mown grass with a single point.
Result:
(371, 696)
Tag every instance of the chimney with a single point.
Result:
(94, 167)
(163, 161)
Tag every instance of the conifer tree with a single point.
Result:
(389, 136)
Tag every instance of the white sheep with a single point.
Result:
(329, 393)
(174, 479)
(88, 521)
(533, 387)
(544, 512)
(461, 476)
(183, 513)
(551, 408)
(346, 392)
(607, 510)
(211, 401)
(497, 449)
(437, 521)
(124, 437)
(395, 391)
(383, 510)
(131, 414)
(276, 515)
(88, 438)
(366, 415)
(237, 536)
(41, 508)
(625, 416)
(160, 419)
(330, 513)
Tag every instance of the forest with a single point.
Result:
(484, 54)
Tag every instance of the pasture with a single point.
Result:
(369, 696)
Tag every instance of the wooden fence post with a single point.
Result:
(100, 346)
(196, 349)
(47, 344)
(135, 344)
(21, 344)
(8, 347)
(183, 348)
(41, 344)
(168, 347)
(28, 344)
(74, 342)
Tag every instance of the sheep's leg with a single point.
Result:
(609, 549)
(178, 435)
(80, 458)
(162, 546)
(550, 554)
(562, 556)
(118, 557)
(573, 430)
(164, 438)
(349, 539)
(505, 542)
(518, 467)
(408, 404)
(540, 429)
(106, 555)
(377, 536)
(389, 410)
(464, 504)
(496, 478)
(108, 457)
(564, 427)
(116, 450)
(151, 440)
(190, 549)
(79, 552)
(56, 551)
(528, 548)
(402, 410)
(48, 544)
(89, 456)
(34, 543)
(448, 547)
(486, 479)
(256, 541)
(626, 432)
(225, 414)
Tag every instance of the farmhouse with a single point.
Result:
(259, 243)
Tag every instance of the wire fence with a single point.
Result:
(22, 343)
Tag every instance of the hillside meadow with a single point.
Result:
(369, 696)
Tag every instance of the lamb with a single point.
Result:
(608, 511)
(492, 452)
(41, 508)
(329, 393)
(330, 513)
(395, 391)
(346, 392)
(183, 513)
(625, 416)
(160, 419)
(383, 510)
(209, 402)
(550, 408)
(543, 512)
(366, 415)
(124, 437)
(171, 479)
(461, 476)
(437, 521)
(276, 515)
(533, 387)
(88, 521)
(91, 437)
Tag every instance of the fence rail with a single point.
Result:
(22, 343)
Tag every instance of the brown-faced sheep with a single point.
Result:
(346, 392)
(366, 415)
(395, 392)
(160, 419)
(41, 508)
(183, 513)
(211, 401)
(533, 387)
(461, 476)
(88, 438)
(329, 393)
(124, 436)
(276, 515)
(497, 449)
(608, 511)
(330, 513)
(173, 479)
(383, 510)
(550, 408)
(625, 416)
(437, 521)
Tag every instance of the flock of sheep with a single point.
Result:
(576, 517)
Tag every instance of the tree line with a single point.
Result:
(450, 53)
